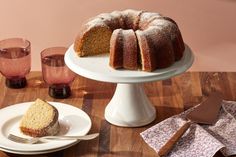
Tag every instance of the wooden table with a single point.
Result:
(170, 97)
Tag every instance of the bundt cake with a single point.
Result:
(41, 119)
(133, 38)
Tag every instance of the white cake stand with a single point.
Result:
(129, 107)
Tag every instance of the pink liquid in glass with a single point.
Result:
(55, 71)
(57, 75)
(15, 63)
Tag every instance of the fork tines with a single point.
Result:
(17, 139)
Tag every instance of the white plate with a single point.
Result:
(73, 122)
(36, 152)
(97, 68)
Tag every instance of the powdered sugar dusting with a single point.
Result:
(167, 26)
(120, 18)
(116, 13)
(128, 32)
(131, 11)
(146, 16)
(105, 16)
(95, 22)
(162, 22)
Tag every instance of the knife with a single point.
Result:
(205, 113)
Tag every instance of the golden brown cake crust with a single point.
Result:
(123, 50)
(130, 50)
(116, 51)
(38, 133)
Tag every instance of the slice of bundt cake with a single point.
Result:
(41, 119)
(116, 49)
(155, 49)
(123, 49)
(171, 29)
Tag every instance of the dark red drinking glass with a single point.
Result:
(15, 61)
(55, 72)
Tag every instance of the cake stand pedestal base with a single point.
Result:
(130, 107)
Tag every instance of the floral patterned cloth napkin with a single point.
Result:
(199, 140)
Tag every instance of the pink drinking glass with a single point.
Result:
(15, 61)
(55, 72)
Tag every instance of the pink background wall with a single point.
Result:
(208, 26)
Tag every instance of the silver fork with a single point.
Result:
(37, 139)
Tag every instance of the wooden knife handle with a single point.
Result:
(171, 142)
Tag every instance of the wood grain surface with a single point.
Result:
(170, 97)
